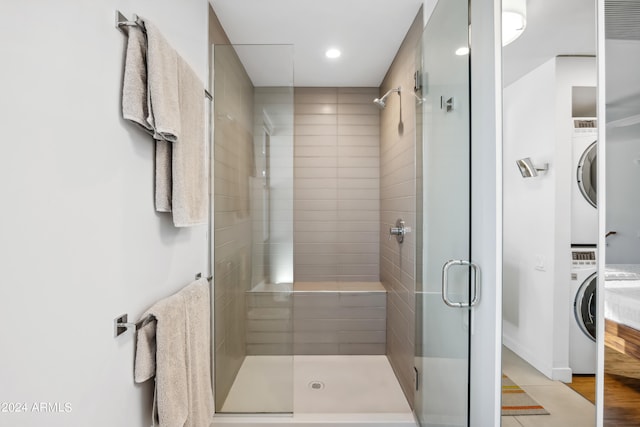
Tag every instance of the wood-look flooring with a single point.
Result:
(621, 389)
(586, 386)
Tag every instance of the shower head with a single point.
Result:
(381, 103)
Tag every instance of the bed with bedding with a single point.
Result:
(622, 308)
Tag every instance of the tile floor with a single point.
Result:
(344, 384)
(264, 384)
(567, 408)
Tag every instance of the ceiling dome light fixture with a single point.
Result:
(333, 53)
(514, 19)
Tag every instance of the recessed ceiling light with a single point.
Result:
(333, 53)
(461, 51)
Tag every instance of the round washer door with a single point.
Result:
(585, 306)
(588, 174)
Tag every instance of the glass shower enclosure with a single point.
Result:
(447, 283)
(252, 245)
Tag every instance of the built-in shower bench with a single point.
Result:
(318, 318)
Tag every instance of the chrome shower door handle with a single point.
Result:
(476, 283)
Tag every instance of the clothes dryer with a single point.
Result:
(584, 188)
(582, 328)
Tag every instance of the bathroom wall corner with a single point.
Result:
(398, 200)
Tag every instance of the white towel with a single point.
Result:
(136, 104)
(189, 154)
(175, 348)
(162, 75)
(134, 86)
(176, 99)
(164, 109)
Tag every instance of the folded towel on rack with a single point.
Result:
(164, 111)
(134, 85)
(163, 92)
(175, 349)
(189, 155)
(177, 115)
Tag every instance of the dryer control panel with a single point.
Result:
(583, 258)
(585, 126)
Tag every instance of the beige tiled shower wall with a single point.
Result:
(234, 172)
(336, 185)
(398, 200)
(339, 322)
(324, 322)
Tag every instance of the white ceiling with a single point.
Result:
(568, 27)
(368, 32)
(554, 27)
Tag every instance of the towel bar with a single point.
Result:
(199, 276)
(122, 22)
(121, 323)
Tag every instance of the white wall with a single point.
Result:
(80, 241)
(537, 213)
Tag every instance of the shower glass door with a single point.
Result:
(253, 228)
(442, 315)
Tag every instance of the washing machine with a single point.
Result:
(582, 328)
(584, 187)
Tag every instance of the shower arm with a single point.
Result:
(380, 102)
(390, 91)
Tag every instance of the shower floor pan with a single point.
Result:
(358, 391)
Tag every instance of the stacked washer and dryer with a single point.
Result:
(584, 238)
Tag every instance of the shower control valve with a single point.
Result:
(399, 231)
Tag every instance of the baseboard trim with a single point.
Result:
(557, 374)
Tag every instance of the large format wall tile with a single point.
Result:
(398, 200)
(336, 185)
